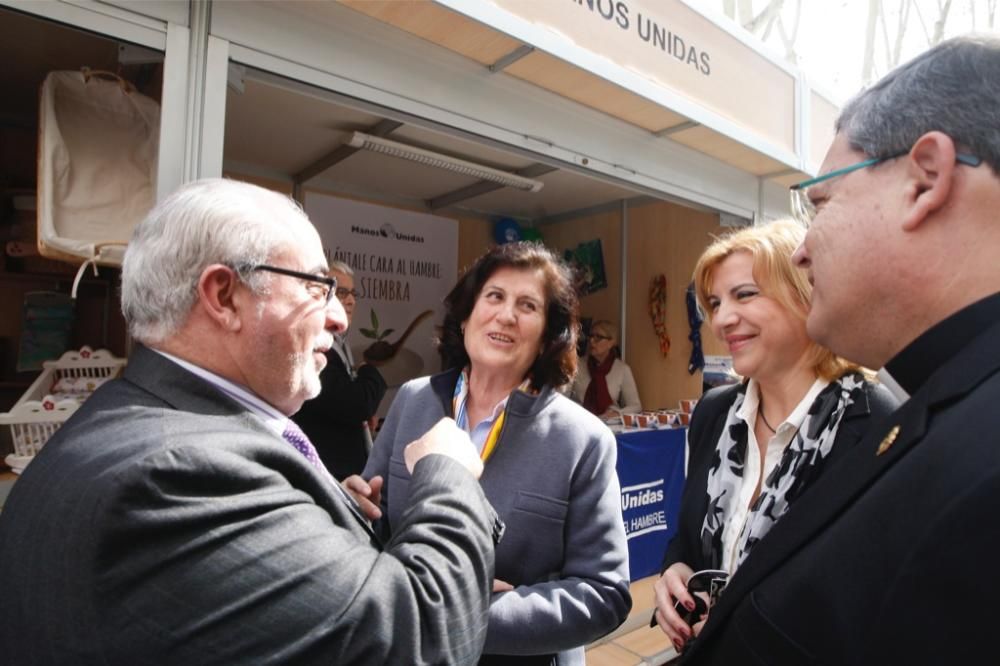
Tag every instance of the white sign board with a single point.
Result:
(404, 264)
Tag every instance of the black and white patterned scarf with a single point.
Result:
(801, 463)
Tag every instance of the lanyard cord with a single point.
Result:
(462, 417)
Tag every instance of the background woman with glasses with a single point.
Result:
(604, 384)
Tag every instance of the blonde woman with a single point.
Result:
(757, 446)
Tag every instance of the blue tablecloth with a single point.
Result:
(651, 473)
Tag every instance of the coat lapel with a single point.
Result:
(443, 386)
(187, 392)
(856, 472)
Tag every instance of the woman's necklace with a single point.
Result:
(760, 412)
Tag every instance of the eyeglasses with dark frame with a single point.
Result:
(328, 284)
(803, 209)
(344, 292)
(598, 336)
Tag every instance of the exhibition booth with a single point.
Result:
(415, 134)
(634, 130)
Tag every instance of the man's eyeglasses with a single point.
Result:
(322, 287)
(803, 209)
(344, 292)
(598, 336)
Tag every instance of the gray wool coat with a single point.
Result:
(552, 480)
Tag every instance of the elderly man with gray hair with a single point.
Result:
(889, 557)
(180, 517)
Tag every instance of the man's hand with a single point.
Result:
(368, 494)
(447, 439)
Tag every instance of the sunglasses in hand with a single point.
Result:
(707, 582)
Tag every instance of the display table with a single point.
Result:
(651, 474)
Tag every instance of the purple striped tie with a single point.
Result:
(293, 435)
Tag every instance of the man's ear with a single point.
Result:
(931, 167)
(217, 287)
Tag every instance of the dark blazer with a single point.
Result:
(165, 524)
(334, 420)
(703, 436)
(892, 558)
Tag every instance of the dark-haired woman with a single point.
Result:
(509, 341)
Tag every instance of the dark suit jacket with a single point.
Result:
(891, 559)
(334, 420)
(165, 524)
(706, 428)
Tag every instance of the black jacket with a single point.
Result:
(889, 559)
(334, 420)
(706, 428)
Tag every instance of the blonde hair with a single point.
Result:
(771, 246)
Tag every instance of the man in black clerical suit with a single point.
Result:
(891, 556)
(341, 419)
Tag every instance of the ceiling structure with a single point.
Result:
(284, 130)
(288, 131)
(292, 132)
(500, 53)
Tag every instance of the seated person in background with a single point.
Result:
(604, 384)
(180, 517)
(341, 419)
(509, 343)
(758, 445)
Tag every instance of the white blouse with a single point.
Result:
(752, 472)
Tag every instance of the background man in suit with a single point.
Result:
(179, 517)
(890, 558)
(341, 420)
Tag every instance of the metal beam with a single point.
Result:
(462, 193)
(484, 187)
(640, 200)
(511, 58)
(680, 127)
(341, 153)
(778, 174)
(623, 287)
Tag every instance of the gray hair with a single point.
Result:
(605, 325)
(341, 268)
(952, 88)
(210, 221)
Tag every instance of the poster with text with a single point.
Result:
(404, 264)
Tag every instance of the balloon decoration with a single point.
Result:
(507, 230)
(531, 234)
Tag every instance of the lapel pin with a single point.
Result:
(888, 441)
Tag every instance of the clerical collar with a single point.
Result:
(935, 347)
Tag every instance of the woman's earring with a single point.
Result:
(462, 329)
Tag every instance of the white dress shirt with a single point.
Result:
(753, 474)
